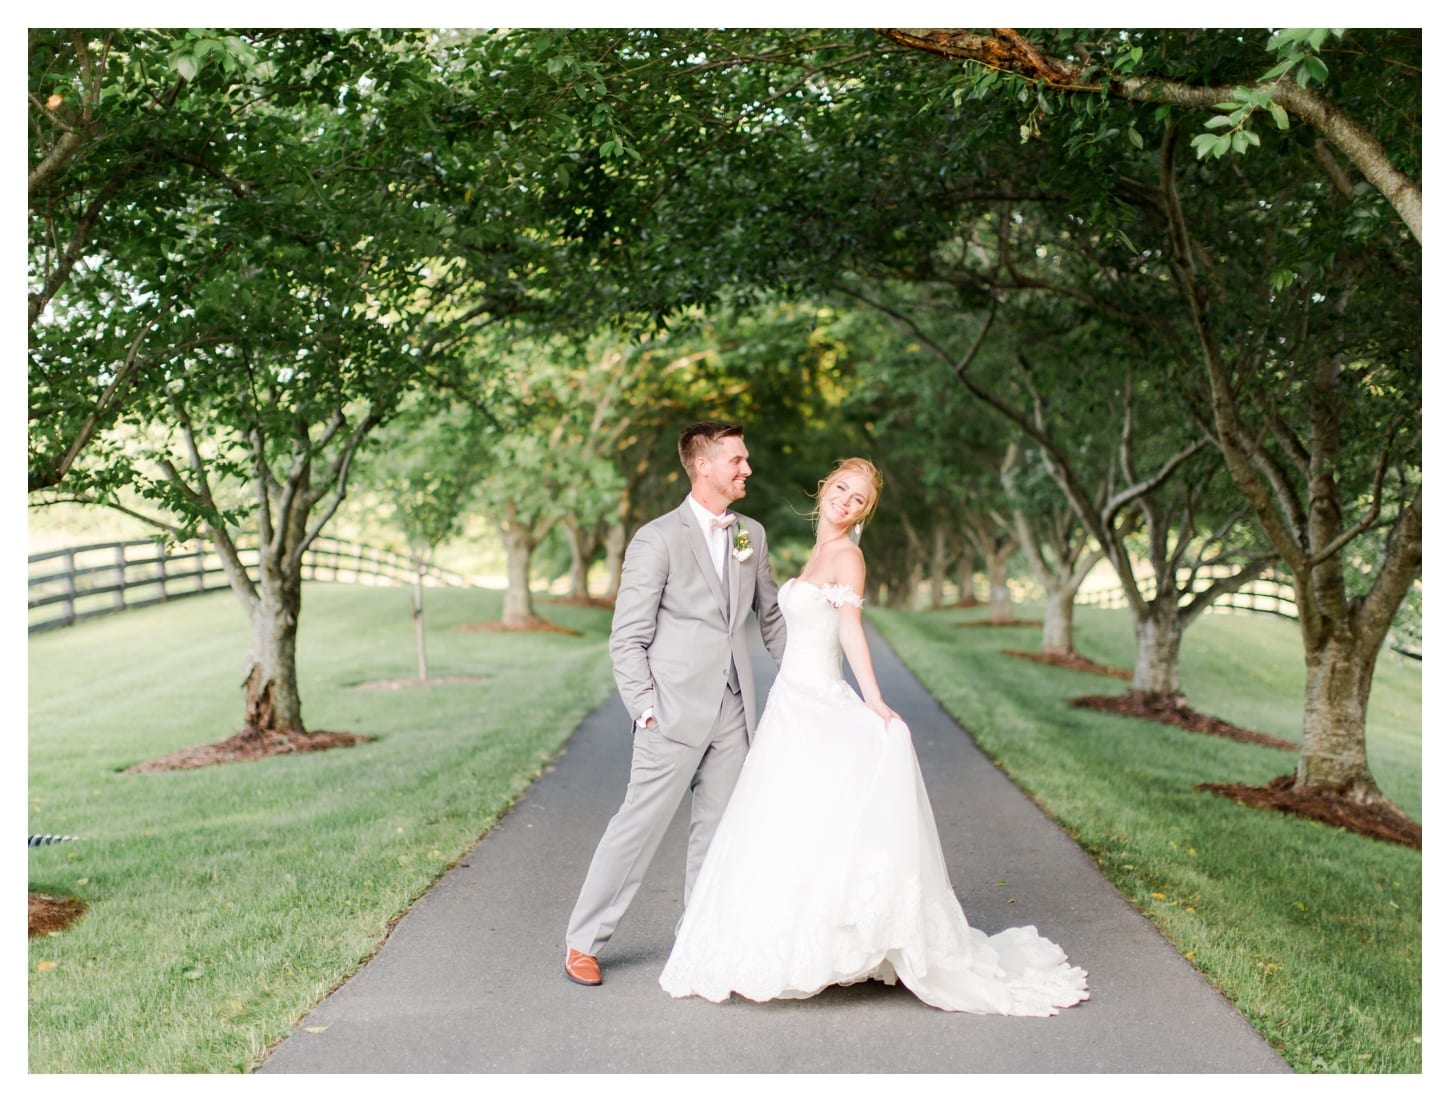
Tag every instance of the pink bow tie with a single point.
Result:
(722, 522)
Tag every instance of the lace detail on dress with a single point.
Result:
(840, 595)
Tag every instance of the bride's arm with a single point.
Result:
(850, 571)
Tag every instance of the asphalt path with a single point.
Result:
(471, 979)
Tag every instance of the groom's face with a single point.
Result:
(724, 469)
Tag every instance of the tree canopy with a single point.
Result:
(1170, 272)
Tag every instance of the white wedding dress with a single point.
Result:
(827, 868)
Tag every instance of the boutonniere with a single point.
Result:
(742, 549)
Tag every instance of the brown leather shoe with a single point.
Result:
(582, 968)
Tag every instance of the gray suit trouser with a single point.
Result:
(661, 771)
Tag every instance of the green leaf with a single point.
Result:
(1203, 143)
(1218, 122)
(1135, 137)
(1278, 70)
(1280, 116)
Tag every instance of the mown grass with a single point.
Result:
(224, 902)
(1314, 933)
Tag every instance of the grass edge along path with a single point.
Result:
(224, 902)
(1313, 933)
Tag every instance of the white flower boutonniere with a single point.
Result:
(742, 549)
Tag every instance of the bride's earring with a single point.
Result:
(856, 534)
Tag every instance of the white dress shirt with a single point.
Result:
(717, 539)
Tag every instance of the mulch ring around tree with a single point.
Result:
(249, 746)
(1178, 715)
(534, 623)
(583, 602)
(49, 915)
(1073, 662)
(1385, 823)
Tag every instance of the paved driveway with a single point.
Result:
(470, 979)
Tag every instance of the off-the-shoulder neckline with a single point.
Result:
(833, 587)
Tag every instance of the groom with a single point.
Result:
(682, 664)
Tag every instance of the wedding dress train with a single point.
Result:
(827, 867)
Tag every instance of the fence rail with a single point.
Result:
(78, 583)
(1269, 593)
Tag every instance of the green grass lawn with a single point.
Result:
(1314, 933)
(224, 902)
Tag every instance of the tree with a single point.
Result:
(1321, 433)
(425, 466)
(1287, 269)
(1059, 392)
(545, 467)
(1056, 544)
(257, 268)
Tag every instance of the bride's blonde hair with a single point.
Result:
(854, 465)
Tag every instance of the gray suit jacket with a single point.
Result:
(672, 642)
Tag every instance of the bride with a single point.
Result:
(826, 868)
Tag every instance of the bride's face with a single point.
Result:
(846, 498)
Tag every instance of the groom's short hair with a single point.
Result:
(702, 436)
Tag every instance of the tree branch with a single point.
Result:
(1006, 51)
(1229, 434)
(80, 238)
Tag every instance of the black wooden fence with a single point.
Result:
(1269, 593)
(77, 583)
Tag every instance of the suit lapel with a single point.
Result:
(695, 537)
(738, 599)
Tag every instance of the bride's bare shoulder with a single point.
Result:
(847, 564)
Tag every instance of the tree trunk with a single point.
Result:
(1338, 675)
(938, 565)
(518, 601)
(614, 544)
(967, 580)
(1160, 632)
(1057, 622)
(914, 577)
(616, 539)
(418, 623)
(900, 587)
(999, 597)
(578, 562)
(273, 702)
